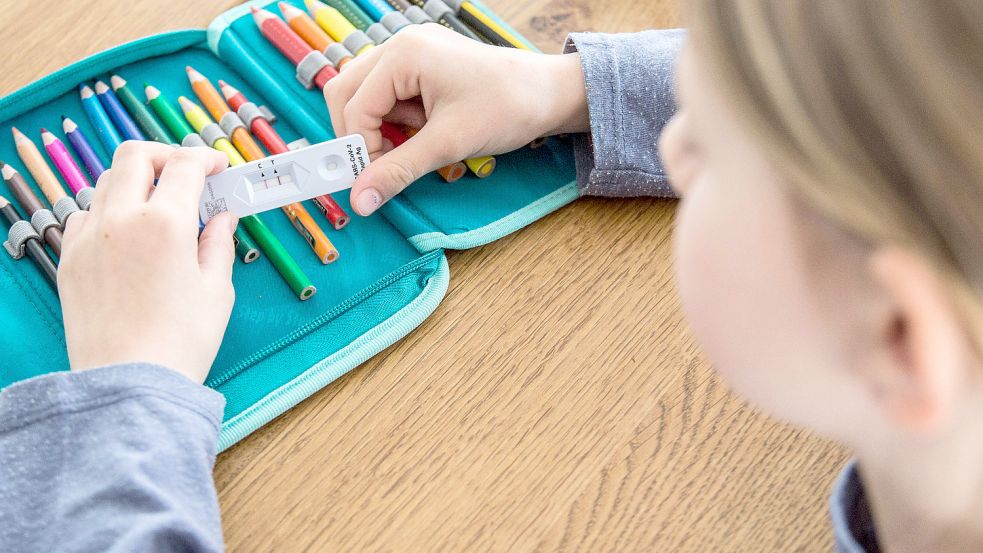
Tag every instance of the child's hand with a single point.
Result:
(468, 98)
(137, 284)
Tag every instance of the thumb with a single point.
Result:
(216, 248)
(390, 173)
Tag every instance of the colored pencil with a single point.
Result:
(352, 12)
(64, 162)
(484, 25)
(33, 248)
(305, 27)
(83, 148)
(105, 130)
(400, 5)
(38, 167)
(127, 127)
(143, 117)
(172, 119)
(31, 204)
(332, 21)
(217, 107)
(276, 145)
(376, 9)
(443, 14)
(246, 248)
(285, 265)
(284, 39)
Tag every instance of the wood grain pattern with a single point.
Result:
(553, 402)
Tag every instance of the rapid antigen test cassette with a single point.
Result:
(285, 178)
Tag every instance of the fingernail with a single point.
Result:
(233, 223)
(368, 201)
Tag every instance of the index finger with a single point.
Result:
(183, 177)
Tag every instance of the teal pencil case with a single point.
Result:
(392, 270)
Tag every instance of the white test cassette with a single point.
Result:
(283, 179)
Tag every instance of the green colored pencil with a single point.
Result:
(171, 117)
(144, 119)
(291, 272)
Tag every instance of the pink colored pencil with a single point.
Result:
(64, 162)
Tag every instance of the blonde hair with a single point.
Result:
(873, 109)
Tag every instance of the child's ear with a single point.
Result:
(927, 354)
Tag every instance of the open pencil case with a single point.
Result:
(392, 272)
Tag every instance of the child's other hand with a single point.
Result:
(137, 284)
(467, 98)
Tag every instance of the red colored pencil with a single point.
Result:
(264, 131)
(288, 42)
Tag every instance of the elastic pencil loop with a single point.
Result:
(417, 16)
(356, 40)
(43, 219)
(63, 208)
(212, 133)
(437, 9)
(18, 236)
(376, 32)
(269, 115)
(250, 112)
(336, 51)
(193, 140)
(310, 66)
(84, 197)
(230, 123)
(394, 21)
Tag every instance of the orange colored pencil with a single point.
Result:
(305, 26)
(36, 165)
(216, 105)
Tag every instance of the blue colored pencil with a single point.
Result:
(375, 8)
(105, 130)
(127, 126)
(83, 148)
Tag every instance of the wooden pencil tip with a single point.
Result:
(193, 75)
(4, 202)
(117, 82)
(19, 137)
(44, 131)
(85, 91)
(151, 92)
(7, 171)
(101, 87)
(186, 104)
(47, 138)
(289, 12)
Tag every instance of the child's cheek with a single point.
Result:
(735, 273)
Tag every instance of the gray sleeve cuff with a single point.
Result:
(630, 98)
(54, 394)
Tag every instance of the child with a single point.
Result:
(827, 253)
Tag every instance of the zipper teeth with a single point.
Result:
(321, 320)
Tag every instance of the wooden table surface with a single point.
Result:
(554, 401)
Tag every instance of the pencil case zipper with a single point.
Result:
(322, 319)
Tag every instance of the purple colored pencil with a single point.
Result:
(125, 124)
(83, 148)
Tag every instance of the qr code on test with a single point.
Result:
(214, 207)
